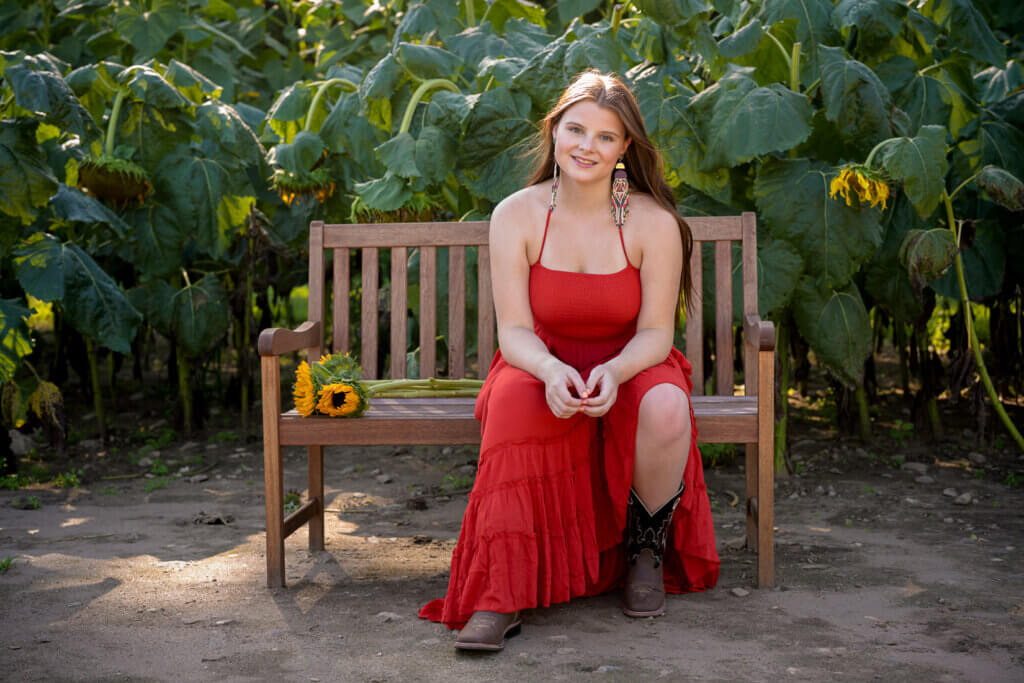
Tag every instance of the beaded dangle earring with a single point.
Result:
(554, 184)
(620, 193)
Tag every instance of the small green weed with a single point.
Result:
(848, 522)
(68, 480)
(159, 468)
(869, 489)
(154, 484)
(224, 437)
(196, 459)
(799, 468)
(13, 482)
(29, 503)
(292, 501)
(979, 473)
(1000, 442)
(901, 431)
(718, 454)
(456, 482)
(1013, 479)
(6, 564)
(110, 491)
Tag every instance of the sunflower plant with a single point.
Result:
(332, 386)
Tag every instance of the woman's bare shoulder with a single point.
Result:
(659, 224)
(515, 216)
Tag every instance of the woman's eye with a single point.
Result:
(607, 138)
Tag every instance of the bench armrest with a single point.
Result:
(276, 341)
(759, 333)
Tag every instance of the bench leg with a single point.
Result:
(273, 476)
(316, 492)
(766, 469)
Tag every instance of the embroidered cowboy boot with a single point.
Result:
(644, 592)
(487, 630)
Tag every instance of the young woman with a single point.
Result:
(589, 475)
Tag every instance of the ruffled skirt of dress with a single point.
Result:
(547, 512)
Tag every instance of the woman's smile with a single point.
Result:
(583, 163)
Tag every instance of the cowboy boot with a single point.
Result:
(487, 630)
(644, 592)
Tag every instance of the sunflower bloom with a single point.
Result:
(304, 392)
(338, 400)
(858, 183)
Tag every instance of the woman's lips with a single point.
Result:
(583, 163)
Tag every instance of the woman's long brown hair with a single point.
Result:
(643, 161)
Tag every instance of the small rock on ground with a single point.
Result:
(924, 479)
(918, 467)
(740, 592)
(950, 493)
(963, 499)
(385, 617)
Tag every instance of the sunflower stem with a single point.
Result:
(115, 113)
(782, 349)
(421, 91)
(972, 334)
(871, 154)
(320, 92)
(97, 394)
(184, 390)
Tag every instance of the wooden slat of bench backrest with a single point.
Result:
(368, 306)
(721, 231)
(456, 311)
(399, 308)
(369, 238)
(339, 303)
(315, 309)
(428, 311)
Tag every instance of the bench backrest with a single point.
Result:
(399, 238)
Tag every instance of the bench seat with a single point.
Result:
(449, 421)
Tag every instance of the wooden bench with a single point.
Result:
(724, 418)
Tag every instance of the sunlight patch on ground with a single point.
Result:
(74, 521)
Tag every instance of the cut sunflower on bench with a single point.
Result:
(332, 386)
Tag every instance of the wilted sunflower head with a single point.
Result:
(118, 181)
(291, 188)
(304, 391)
(861, 183)
(338, 400)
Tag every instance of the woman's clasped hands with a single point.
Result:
(593, 398)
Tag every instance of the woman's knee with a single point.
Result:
(665, 413)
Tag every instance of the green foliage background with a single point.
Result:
(418, 109)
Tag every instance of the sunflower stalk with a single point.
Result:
(431, 386)
(972, 334)
(97, 394)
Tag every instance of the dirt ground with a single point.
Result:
(884, 572)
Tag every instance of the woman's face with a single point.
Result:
(589, 139)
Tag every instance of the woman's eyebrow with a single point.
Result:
(574, 123)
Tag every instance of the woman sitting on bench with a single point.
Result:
(589, 475)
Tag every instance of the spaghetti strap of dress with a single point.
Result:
(544, 240)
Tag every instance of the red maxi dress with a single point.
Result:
(547, 512)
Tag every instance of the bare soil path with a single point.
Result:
(881, 573)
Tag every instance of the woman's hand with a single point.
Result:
(601, 391)
(559, 379)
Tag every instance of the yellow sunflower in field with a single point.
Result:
(304, 391)
(338, 399)
(857, 182)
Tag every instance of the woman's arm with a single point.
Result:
(510, 276)
(660, 273)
